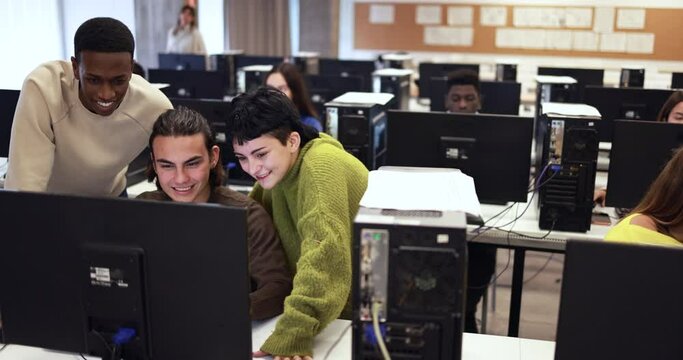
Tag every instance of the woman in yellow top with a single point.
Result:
(658, 218)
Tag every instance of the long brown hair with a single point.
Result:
(670, 103)
(664, 199)
(193, 24)
(296, 84)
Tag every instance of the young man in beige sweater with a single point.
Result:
(79, 124)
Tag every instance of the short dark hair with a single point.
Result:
(463, 77)
(266, 111)
(669, 105)
(103, 34)
(183, 121)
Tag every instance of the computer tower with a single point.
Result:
(558, 89)
(251, 77)
(396, 82)
(358, 120)
(566, 166)
(226, 63)
(632, 78)
(397, 60)
(409, 283)
(506, 72)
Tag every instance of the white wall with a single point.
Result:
(30, 34)
(75, 12)
(211, 22)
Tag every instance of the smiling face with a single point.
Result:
(183, 165)
(266, 159)
(676, 114)
(103, 79)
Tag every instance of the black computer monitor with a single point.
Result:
(677, 80)
(182, 61)
(624, 104)
(430, 70)
(497, 97)
(493, 149)
(640, 149)
(8, 102)
(217, 112)
(325, 88)
(191, 83)
(620, 301)
(583, 77)
(74, 270)
(337, 67)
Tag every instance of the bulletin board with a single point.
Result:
(399, 30)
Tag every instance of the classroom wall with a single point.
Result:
(657, 71)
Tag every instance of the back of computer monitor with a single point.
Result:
(8, 103)
(640, 149)
(620, 301)
(72, 269)
(493, 149)
(677, 80)
(182, 61)
(191, 83)
(338, 67)
(624, 104)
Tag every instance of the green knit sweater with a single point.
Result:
(313, 208)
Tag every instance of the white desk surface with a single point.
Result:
(475, 346)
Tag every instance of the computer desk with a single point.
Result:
(528, 236)
(335, 340)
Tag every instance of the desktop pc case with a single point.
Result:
(566, 153)
(412, 265)
(359, 121)
(396, 82)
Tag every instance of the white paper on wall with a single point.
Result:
(640, 43)
(558, 39)
(584, 41)
(631, 19)
(460, 15)
(578, 17)
(448, 35)
(614, 42)
(493, 15)
(428, 14)
(533, 39)
(508, 38)
(538, 17)
(382, 14)
(604, 19)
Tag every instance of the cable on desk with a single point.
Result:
(3, 347)
(336, 342)
(83, 357)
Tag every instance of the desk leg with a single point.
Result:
(516, 292)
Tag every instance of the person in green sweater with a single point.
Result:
(312, 188)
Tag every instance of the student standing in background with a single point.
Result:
(287, 78)
(185, 38)
(79, 124)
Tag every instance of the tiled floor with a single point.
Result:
(540, 296)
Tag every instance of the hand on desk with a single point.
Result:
(258, 354)
(599, 196)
